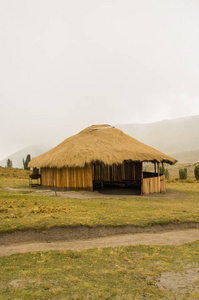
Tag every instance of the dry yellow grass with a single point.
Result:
(14, 178)
(21, 210)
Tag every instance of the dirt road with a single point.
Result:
(176, 237)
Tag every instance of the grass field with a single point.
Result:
(14, 178)
(136, 272)
(22, 210)
(26, 209)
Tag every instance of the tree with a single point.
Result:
(9, 163)
(196, 172)
(26, 161)
(183, 173)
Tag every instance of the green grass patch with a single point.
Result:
(21, 210)
(135, 272)
(24, 209)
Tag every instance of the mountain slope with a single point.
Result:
(191, 156)
(169, 136)
(18, 156)
(178, 138)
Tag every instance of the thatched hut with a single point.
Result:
(101, 155)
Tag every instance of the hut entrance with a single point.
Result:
(126, 175)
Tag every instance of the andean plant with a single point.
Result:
(183, 173)
(196, 172)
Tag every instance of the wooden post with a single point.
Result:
(158, 169)
(91, 178)
(111, 173)
(162, 168)
(53, 178)
(102, 174)
(141, 179)
(155, 167)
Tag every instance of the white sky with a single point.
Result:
(65, 65)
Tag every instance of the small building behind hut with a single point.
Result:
(101, 156)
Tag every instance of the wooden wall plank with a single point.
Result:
(120, 172)
(154, 185)
(82, 178)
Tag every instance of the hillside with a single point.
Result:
(191, 156)
(18, 156)
(177, 137)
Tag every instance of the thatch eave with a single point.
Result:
(35, 165)
(105, 144)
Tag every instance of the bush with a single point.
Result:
(196, 172)
(166, 172)
(26, 161)
(183, 173)
(9, 163)
(173, 180)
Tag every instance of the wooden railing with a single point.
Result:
(155, 184)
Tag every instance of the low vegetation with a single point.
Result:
(9, 163)
(14, 178)
(135, 272)
(196, 172)
(183, 173)
(23, 209)
(26, 162)
(173, 170)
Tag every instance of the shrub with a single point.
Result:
(183, 173)
(166, 172)
(196, 172)
(9, 163)
(26, 161)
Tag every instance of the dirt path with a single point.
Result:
(107, 193)
(177, 237)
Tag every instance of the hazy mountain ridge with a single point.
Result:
(178, 138)
(191, 156)
(169, 136)
(17, 157)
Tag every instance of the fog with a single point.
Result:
(65, 65)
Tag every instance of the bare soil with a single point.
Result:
(116, 193)
(83, 237)
(99, 237)
(179, 282)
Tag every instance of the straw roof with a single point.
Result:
(101, 143)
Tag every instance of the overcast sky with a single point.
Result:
(65, 65)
